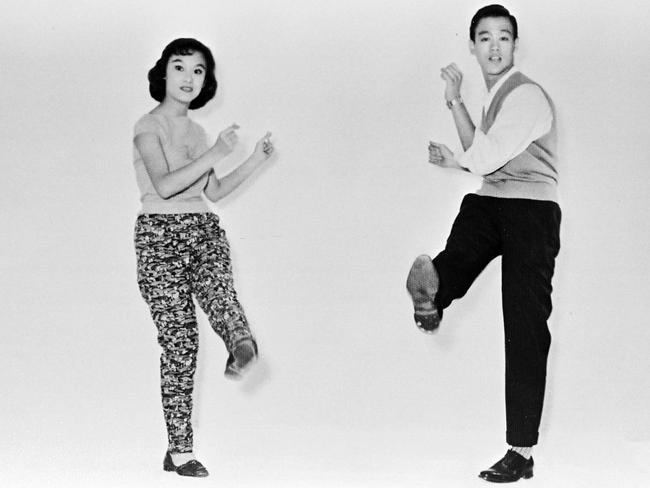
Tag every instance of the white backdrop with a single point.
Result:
(348, 392)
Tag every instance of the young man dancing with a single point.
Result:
(514, 215)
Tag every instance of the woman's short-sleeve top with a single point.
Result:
(182, 141)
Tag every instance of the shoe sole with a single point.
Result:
(525, 476)
(422, 284)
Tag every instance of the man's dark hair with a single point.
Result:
(494, 10)
(183, 47)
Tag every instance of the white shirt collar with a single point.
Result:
(489, 94)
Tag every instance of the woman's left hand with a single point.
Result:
(264, 147)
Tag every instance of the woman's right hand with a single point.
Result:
(227, 139)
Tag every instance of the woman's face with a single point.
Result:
(185, 76)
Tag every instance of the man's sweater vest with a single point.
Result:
(533, 173)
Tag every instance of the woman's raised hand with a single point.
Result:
(264, 147)
(227, 139)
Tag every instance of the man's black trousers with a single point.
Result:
(525, 233)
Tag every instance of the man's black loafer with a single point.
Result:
(512, 467)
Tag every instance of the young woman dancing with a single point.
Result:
(182, 252)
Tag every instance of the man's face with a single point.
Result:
(494, 47)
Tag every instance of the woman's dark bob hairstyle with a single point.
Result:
(183, 47)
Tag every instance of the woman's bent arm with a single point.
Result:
(168, 183)
(217, 188)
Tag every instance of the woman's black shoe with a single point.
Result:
(511, 467)
(242, 358)
(190, 468)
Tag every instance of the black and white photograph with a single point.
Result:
(303, 244)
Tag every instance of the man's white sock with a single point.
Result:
(526, 452)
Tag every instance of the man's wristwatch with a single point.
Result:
(454, 101)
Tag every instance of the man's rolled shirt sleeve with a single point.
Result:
(524, 117)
